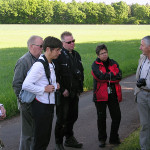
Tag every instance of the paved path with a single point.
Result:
(85, 127)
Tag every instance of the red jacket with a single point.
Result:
(101, 78)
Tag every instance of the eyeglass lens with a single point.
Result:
(70, 42)
(38, 45)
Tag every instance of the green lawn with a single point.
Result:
(123, 43)
(17, 35)
(130, 143)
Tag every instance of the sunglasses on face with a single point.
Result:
(38, 45)
(70, 42)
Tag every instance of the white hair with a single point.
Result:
(146, 39)
(32, 40)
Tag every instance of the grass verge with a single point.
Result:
(131, 142)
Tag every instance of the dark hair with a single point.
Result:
(101, 47)
(65, 33)
(52, 43)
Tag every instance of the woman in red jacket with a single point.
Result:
(107, 92)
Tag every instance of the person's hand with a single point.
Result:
(114, 69)
(58, 86)
(66, 93)
(3, 111)
(49, 88)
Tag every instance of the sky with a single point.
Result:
(128, 2)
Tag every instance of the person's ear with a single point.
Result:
(30, 46)
(47, 49)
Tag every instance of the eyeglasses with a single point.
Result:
(103, 53)
(38, 45)
(70, 42)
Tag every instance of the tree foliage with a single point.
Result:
(58, 12)
(121, 12)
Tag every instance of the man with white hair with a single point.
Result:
(23, 65)
(142, 92)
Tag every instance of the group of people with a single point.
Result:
(67, 77)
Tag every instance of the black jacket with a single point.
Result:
(69, 71)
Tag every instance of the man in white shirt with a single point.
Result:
(142, 92)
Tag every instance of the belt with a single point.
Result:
(147, 90)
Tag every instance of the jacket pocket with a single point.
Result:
(101, 92)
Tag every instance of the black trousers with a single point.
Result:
(67, 114)
(43, 117)
(115, 114)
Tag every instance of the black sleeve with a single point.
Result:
(57, 63)
(119, 75)
(81, 67)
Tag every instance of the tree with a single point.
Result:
(74, 15)
(91, 11)
(4, 11)
(107, 14)
(60, 12)
(7, 13)
(141, 13)
(22, 10)
(121, 9)
(44, 11)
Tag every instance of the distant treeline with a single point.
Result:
(58, 12)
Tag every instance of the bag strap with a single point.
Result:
(46, 67)
(47, 71)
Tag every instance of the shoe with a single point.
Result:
(101, 143)
(59, 147)
(115, 141)
(72, 142)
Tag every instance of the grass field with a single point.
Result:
(123, 43)
(17, 35)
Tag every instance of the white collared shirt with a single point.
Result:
(145, 72)
(36, 81)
